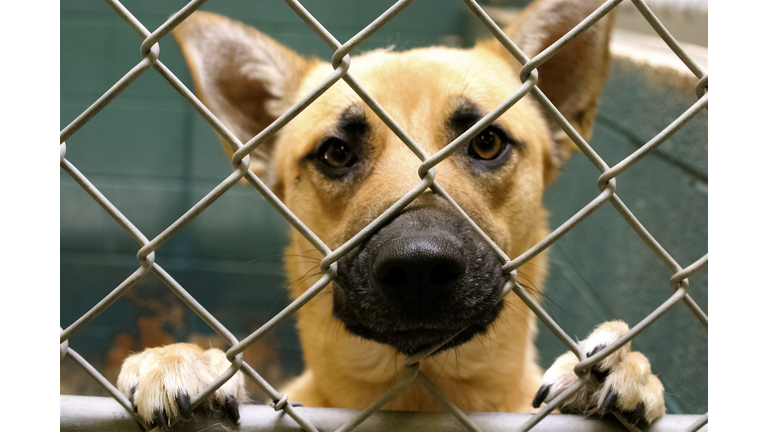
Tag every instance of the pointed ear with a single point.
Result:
(573, 78)
(245, 78)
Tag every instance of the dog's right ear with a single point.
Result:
(245, 78)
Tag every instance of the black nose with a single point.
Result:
(418, 273)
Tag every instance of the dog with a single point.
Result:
(427, 275)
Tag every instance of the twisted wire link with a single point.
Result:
(558, 45)
(340, 61)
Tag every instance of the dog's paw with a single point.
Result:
(160, 382)
(625, 384)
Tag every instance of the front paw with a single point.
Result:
(161, 381)
(624, 381)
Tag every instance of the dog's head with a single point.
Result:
(427, 274)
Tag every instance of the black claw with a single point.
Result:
(609, 403)
(601, 375)
(161, 421)
(637, 415)
(232, 410)
(185, 406)
(131, 394)
(595, 350)
(541, 395)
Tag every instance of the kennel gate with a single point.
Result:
(310, 419)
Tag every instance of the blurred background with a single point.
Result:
(153, 157)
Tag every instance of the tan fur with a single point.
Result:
(248, 87)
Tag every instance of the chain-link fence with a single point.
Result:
(307, 419)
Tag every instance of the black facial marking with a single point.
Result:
(353, 124)
(596, 350)
(341, 153)
(637, 415)
(230, 407)
(465, 115)
(130, 398)
(609, 403)
(161, 421)
(185, 405)
(600, 375)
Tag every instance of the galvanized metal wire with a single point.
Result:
(606, 192)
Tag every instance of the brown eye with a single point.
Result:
(487, 145)
(335, 153)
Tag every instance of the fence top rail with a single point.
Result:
(89, 413)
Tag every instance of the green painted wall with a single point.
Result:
(153, 157)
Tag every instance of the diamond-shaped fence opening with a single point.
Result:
(148, 261)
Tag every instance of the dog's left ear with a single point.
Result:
(245, 78)
(573, 78)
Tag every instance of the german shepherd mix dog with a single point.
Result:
(427, 274)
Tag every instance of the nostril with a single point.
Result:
(444, 273)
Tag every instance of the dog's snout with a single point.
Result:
(418, 273)
(422, 279)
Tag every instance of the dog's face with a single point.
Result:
(426, 275)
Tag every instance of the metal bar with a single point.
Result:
(97, 414)
(699, 424)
